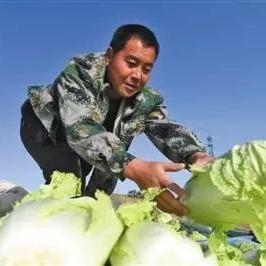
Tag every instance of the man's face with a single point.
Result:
(129, 69)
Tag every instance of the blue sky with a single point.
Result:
(211, 69)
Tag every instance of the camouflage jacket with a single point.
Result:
(77, 102)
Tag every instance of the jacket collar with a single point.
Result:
(96, 63)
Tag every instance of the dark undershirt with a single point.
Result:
(111, 115)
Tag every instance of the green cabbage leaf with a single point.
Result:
(63, 185)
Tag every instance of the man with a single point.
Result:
(85, 121)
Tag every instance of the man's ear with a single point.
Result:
(109, 55)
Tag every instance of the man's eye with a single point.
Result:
(147, 70)
(131, 63)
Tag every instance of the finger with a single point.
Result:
(165, 180)
(168, 203)
(173, 167)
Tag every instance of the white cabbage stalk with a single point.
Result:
(64, 232)
(153, 244)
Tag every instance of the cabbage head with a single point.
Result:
(53, 231)
(154, 244)
(231, 190)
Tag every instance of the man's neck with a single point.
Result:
(113, 94)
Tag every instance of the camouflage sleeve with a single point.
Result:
(176, 142)
(81, 119)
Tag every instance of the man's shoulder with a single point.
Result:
(40, 93)
(88, 68)
(89, 59)
(94, 63)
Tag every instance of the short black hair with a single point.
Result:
(125, 32)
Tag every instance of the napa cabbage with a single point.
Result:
(155, 244)
(50, 228)
(231, 190)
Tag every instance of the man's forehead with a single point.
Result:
(135, 47)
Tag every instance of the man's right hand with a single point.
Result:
(154, 174)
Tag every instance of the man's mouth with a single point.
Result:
(132, 87)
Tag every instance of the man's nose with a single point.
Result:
(136, 74)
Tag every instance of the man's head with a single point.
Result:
(130, 58)
(125, 32)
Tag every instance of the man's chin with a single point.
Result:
(128, 93)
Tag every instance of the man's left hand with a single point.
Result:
(200, 158)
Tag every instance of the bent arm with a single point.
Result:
(82, 121)
(176, 142)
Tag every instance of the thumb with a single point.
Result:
(173, 167)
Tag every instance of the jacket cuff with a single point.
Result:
(129, 157)
(118, 163)
(189, 150)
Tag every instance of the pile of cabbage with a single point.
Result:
(57, 226)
